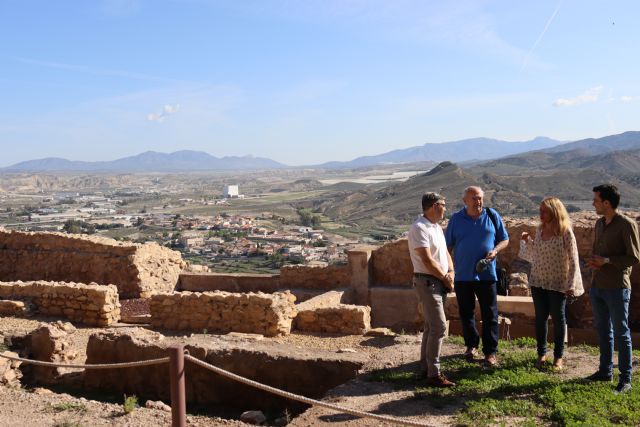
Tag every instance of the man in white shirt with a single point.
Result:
(433, 278)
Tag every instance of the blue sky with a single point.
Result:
(303, 82)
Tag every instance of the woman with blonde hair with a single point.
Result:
(555, 275)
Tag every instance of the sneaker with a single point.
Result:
(440, 381)
(599, 376)
(490, 360)
(470, 354)
(622, 387)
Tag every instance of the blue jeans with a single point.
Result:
(611, 315)
(547, 302)
(466, 293)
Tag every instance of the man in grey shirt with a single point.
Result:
(615, 252)
(432, 280)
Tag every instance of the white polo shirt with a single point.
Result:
(425, 234)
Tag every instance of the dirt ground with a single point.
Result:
(23, 407)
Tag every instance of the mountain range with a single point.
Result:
(187, 160)
(513, 184)
(509, 157)
(151, 161)
(460, 151)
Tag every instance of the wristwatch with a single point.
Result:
(607, 261)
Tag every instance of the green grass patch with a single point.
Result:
(393, 376)
(516, 393)
(69, 406)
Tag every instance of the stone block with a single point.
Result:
(395, 307)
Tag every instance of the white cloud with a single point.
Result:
(626, 98)
(166, 111)
(590, 95)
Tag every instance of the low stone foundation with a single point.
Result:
(310, 373)
(137, 270)
(92, 304)
(13, 308)
(258, 313)
(327, 313)
(49, 344)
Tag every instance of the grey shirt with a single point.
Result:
(617, 241)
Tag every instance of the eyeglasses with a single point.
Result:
(444, 205)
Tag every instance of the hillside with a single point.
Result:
(463, 150)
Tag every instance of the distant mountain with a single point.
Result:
(623, 141)
(607, 154)
(151, 161)
(460, 151)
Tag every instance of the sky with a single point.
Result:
(308, 81)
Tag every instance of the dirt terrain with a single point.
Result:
(37, 406)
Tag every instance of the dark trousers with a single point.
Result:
(552, 303)
(466, 293)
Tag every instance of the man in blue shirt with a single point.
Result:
(474, 236)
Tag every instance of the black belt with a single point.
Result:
(431, 276)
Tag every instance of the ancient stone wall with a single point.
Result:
(310, 373)
(91, 304)
(137, 270)
(259, 313)
(322, 278)
(290, 277)
(230, 282)
(328, 314)
(391, 264)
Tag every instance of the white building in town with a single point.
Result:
(230, 191)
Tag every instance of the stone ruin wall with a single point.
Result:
(290, 277)
(311, 373)
(320, 278)
(222, 312)
(95, 305)
(137, 270)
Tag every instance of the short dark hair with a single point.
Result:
(429, 199)
(608, 192)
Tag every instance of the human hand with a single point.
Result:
(595, 262)
(449, 279)
(570, 293)
(491, 254)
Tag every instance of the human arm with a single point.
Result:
(434, 268)
(574, 276)
(501, 236)
(527, 246)
(631, 255)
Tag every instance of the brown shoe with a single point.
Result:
(440, 381)
(541, 361)
(470, 354)
(491, 360)
(558, 364)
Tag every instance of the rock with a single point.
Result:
(347, 350)
(157, 404)
(41, 390)
(281, 422)
(379, 332)
(248, 337)
(253, 417)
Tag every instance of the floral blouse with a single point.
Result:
(554, 262)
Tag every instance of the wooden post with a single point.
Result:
(178, 398)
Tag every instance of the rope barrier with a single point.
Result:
(230, 375)
(303, 399)
(134, 364)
